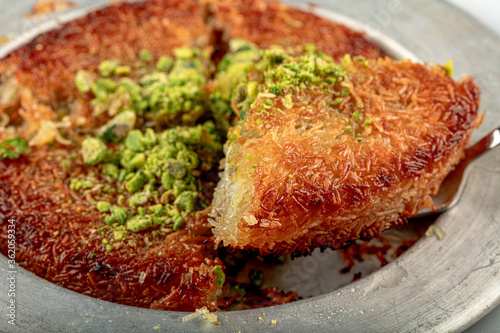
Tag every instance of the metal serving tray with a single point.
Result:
(436, 286)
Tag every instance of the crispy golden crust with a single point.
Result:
(299, 180)
(267, 23)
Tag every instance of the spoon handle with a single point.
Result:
(489, 142)
(452, 186)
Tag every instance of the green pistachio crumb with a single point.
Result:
(122, 70)
(185, 201)
(75, 184)
(252, 89)
(106, 84)
(107, 67)
(347, 59)
(122, 175)
(221, 277)
(117, 128)
(367, 122)
(137, 161)
(139, 199)
(157, 209)
(288, 101)
(141, 211)
(83, 81)
(110, 170)
(139, 223)
(120, 200)
(103, 206)
(136, 182)
(93, 151)
(164, 63)
(134, 141)
(256, 277)
(119, 234)
(448, 67)
(330, 80)
(356, 115)
(177, 220)
(119, 214)
(275, 90)
(185, 53)
(309, 48)
(13, 148)
(145, 55)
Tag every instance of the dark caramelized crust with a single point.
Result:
(314, 175)
(267, 23)
(58, 238)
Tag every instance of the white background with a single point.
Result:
(486, 11)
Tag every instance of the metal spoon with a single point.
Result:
(452, 186)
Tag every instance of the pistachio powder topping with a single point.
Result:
(252, 78)
(148, 160)
(170, 94)
(232, 76)
(156, 176)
